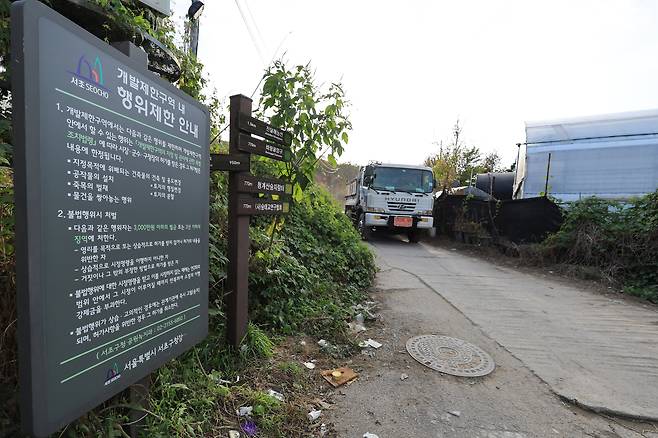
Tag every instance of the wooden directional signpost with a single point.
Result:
(245, 199)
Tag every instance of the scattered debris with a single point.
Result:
(370, 343)
(302, 342)
(323, 429)
(370, 435)
(455, 413)
(368, 352)
(249, 427)
(276, 395)
(244, 411)
(314, 415)
(404, 376)
(309, 365)
(356, 327)
(323, 343)
(322, 404)
(215, 377)
(366, 309)
(233, 434)
(359, 318)
(339, 376)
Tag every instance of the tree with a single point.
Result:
(456, 164)
(316, 117)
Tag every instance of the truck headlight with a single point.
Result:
(375, 210)
(426, 212)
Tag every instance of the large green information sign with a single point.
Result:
(112, 218)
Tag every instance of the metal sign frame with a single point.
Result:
(25, 18)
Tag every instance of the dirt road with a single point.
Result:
(534, 341)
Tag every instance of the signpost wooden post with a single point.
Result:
(242, 204)
(238, 238)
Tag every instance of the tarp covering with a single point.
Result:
(520, 220)
(498, 184)
(466, 191)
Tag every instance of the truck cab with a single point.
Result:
(394, 198)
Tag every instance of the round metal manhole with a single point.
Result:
(450, 355)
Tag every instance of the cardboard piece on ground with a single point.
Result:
(339, 376)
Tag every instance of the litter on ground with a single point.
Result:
(309, 365)
(244, 411)
(314, 415)
(355, 327)
(275, 394)
(339, 376)
(370, 343)
(249, 427)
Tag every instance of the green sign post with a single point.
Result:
(111, 181)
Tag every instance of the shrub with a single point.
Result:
(308, 279)
(621, 240)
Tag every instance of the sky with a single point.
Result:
(410, 69)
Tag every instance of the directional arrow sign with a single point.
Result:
(257, 127)
(255, 184)
(256, 146)
(229, 162)
(249, 206)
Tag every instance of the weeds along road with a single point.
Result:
(546, 337)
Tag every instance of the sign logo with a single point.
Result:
(112, 374)
(90, 72)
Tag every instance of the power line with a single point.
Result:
(251, 32)
(253, 21)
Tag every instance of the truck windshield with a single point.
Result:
(403, 180)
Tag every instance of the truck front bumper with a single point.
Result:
(386, 220)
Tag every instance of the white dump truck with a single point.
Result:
(396, 198)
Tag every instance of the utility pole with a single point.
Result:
(193, 14)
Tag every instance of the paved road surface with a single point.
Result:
(586, 347)
(598, 351)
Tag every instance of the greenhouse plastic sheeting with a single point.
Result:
(610, 156)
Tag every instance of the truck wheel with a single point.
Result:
(364, 231)
(414, 236)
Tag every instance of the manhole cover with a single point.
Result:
(450, 355)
